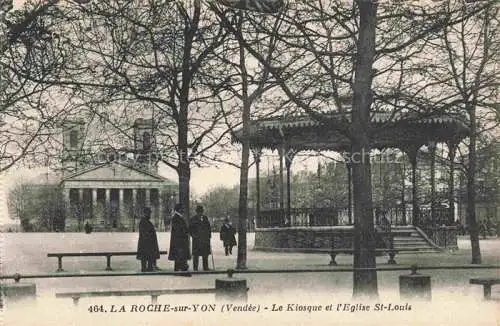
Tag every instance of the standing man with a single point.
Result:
(147, 246)
(88, 227)
(179, 241)
(199, 228)
(227, 235)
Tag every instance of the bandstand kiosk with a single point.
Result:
(288, 228)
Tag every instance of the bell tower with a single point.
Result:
(73, 136)
(145, 145)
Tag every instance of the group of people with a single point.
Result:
(198, 229)
(487, 228)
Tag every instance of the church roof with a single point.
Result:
(116, 171)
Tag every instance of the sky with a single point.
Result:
(202, 179)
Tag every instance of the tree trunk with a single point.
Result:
(364, 282)
(183, 168)
(471, 191)
(184, 180)
(241, 260)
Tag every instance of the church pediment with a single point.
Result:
(115, 172)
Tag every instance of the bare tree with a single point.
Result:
(131, 60)
(30, 56)
(252, 84)
(332, 52)
(468, 75)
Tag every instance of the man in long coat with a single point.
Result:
(227, 235)
(179, 241)
(147, 246)
(199, 228)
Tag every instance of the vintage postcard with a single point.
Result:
(249, 162)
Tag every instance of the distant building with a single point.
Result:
(487, 187)
(110, 187)
(9, 221)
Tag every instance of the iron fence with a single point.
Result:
(230, 272)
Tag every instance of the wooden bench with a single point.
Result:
(106, 254)
(487, 283)
(388, 237)
(118, 293)
(334, 252)
(391, 252)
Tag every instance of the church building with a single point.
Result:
(108, 188)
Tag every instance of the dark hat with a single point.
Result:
(199, 209)
(147, 211)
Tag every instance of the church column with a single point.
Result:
(66, 192)
(81, 209)
(160, 209)
(133, 208)
(67, 201)
(121, 208)
(94, 196)
(153, 205)
(107, 206)
(94, 206)
(147, 203)
(147, 197)
(157, 205)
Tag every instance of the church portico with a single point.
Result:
(112, 196)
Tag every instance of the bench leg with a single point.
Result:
(59, 264)
(332, 261)
(108, 263)
(487, 291)
(391, 258)
(154, 299)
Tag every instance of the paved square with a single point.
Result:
(454, 300)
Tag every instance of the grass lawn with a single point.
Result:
(454, 301)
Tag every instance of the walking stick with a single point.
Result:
(213, 263)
